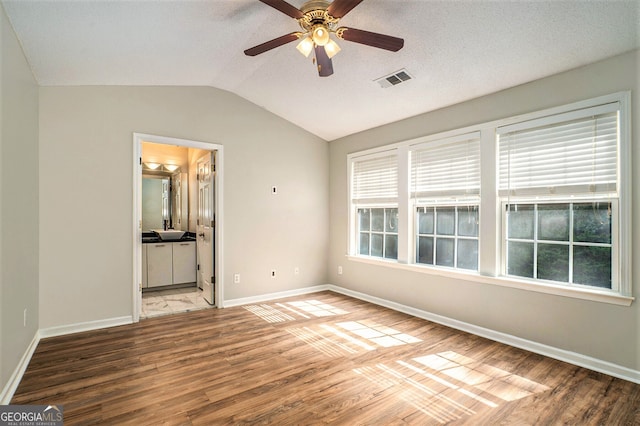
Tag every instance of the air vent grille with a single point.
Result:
(394, 78)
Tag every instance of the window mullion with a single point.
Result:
(490, 215)
(404, 211)
(570, 243)
(455, 236)
(535, 241)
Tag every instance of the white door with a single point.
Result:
(206, 226)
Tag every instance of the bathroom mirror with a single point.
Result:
(162, 201)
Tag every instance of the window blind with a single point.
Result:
(574, 156)
(446, 169)
(375, 179)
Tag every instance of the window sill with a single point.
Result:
(594, 295)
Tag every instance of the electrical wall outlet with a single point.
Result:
(296, 271)
(236, 278)
(339, 270)
(274, 190)
(273, 273)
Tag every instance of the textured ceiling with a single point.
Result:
(455, 50)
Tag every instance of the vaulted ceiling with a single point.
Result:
(454, 50)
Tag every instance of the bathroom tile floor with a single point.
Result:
(172, 301)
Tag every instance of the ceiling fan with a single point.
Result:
(318, 20)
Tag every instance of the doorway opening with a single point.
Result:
(194, 210)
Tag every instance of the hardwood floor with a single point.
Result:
(316, 359)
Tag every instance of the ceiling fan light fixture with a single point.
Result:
(318, 19)
(331, 48)
(305, 46)
(320, 35)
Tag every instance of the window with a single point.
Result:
(448, 236)
(445, 181)
(548, 211)
(378, 232)
(558, 179)
(564, 242)
(374, 197)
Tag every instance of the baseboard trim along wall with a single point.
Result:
(84, 326)
(539, 348)
(16, 377)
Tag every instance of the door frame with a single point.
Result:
(138, 138)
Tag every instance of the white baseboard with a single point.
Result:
(539, 348)
(16, 377)
(84, 326)
(272, 296)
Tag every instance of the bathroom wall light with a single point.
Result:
(152, 166)
(158, 167)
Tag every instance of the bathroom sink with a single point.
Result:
(169, 234)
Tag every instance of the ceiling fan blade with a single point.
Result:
(325, 66)
(285, 8)
(272, 44)
(339, 8)
(370, 39)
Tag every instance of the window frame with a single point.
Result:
(370, 231)
(615, 283)
(490, 234)
(354, 205)
(456, 237)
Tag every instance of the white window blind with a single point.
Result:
(375, 179)
(572, 153)
(446, 169)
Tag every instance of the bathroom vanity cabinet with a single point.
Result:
(168, 263)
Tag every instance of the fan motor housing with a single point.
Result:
(314, 5)
(315, 13)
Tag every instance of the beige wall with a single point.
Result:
(86, 155)
(18, 202)
(603, 331)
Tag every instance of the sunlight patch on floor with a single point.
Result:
(378, 334)
(316, 308)
(428, 400)
(300, 309)
(323, 343)
(351, 337)
(268, 313)
(495, 381)
(448, 386)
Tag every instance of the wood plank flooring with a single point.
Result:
(317, 359)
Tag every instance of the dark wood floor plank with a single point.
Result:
(317, 359)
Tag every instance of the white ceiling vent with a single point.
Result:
(394, 78)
